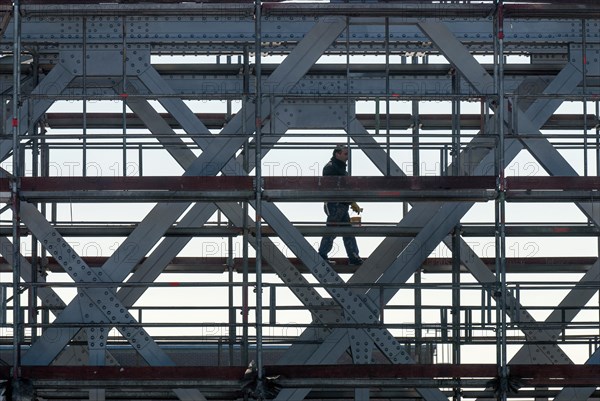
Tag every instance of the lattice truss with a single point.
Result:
(104, 52)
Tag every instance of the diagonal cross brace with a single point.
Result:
(424, 249)
(286, 274)
(426, 239)
(543, 151)
(197, 216)
(163, 215)
(580, 393)
(215, 157)
(539, 112)
(579, 296)
(92, 299)
(170, 247)
(423, 212)
(52, 301)
(54, 83)
(97, 304)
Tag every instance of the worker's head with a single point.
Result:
(340, 152)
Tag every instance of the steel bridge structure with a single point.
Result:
(162, 200)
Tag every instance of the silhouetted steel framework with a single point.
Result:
(356, 332)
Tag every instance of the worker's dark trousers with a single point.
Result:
(337, 214)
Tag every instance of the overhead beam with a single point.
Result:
(434, 122)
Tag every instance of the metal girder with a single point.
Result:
(54, 84)
(282, 266)
(560, 122)
(435, 265)
(215, 264)
(231, 375)
(276, 218)
(433, 231)
(549, 352)
(284, 189)
(75, 354)
(361, 84)
(541, 149)
(294, 67)
(171, 247)
(96, 305)
(234, 30)
(365, 81)
(310, 297)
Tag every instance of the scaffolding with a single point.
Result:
(161, 174)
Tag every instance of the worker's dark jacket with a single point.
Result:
(336, 167)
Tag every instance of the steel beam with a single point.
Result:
(272, 211)
(429, 81)
(97, 305)
(53, 85)
(540, 148)
(560, 122)
(76, 354)
(269, 210)
(429, 237)
(155, 224)
(522, 123)
(152, 24)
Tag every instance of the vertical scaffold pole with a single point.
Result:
(388, 147)
(584, 88)
(500, 290)
(598, 174)
(84, 100)
(456, 340)
(124, 97)
(258, 187)
(245, 239)
(348, 98)
(15, 190)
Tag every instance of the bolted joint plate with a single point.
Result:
(103, 300)
(103, 306)
(106, 60)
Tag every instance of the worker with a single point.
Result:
(337, 212)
